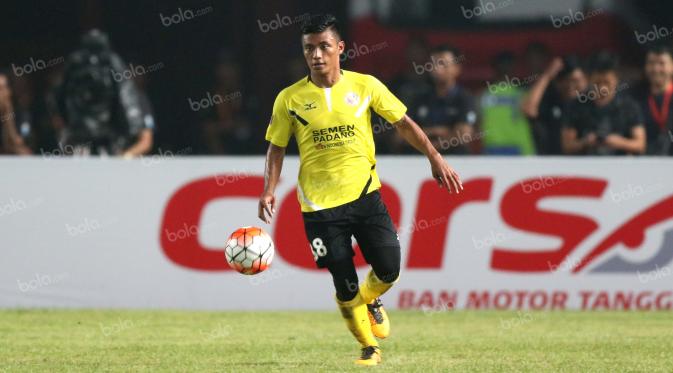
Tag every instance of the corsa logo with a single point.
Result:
(518, 209)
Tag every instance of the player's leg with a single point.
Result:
(385, 262)
(353, 309)
(374, 230)
(329, 236)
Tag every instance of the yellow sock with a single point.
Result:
(373, 287)
(354, 313)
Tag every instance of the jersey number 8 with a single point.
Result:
(318, 248)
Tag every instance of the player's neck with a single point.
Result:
(659, 88)
(327, 80)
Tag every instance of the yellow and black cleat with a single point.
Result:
(371, 355)
(378, 318)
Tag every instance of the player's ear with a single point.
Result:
(341, 46)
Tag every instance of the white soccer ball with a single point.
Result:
(249, 250)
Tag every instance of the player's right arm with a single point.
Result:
(278, 134)
(274, 164)
(530, 105)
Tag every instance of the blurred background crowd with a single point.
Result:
(492, 77)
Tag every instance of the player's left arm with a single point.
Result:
(445, 175)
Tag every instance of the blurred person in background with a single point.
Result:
(413, 81)
(226, 121)
(604, 121)
(656, 100)
(100, 103)
(448, 111)
(536, 58)
(146, 137)
(11, 114)
(548, 100)
(505, 128)
(48, 121)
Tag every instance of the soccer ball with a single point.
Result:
(249, 250)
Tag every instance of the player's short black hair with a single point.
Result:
(570, 64)
(660, 49)
(445, 48)
(604, 62)
(318, 23)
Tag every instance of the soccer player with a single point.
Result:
(328, 113)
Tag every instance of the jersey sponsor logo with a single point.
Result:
(321, 146)
(310, 106)
(339, 132)
(352, 99)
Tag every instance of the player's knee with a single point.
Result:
(388, 274)
(389, 277)
(346, 289)
(345, 280)
(387, 270)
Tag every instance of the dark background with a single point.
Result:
(190, 50)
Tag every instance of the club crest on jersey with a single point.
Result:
(352, 99)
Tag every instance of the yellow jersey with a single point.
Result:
(333, 130)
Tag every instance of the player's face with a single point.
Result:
(659, 68)
(322, 51)
(604, 84)
(445, 67)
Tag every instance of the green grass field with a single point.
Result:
(177, 341)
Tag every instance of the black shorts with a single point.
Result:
(329, 231)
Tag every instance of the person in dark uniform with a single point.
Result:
(448, 110)
(604, 121)
(548, 101)
(656, 100)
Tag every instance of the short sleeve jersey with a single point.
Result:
(333, 130)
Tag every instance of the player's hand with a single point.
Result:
(267, 207)
(445, 175)
(554, 68)
(613, 140)
(590, 140)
